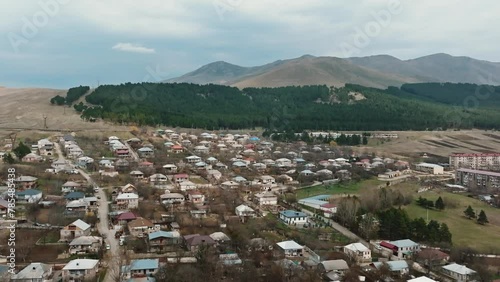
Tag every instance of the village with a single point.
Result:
(165, 204)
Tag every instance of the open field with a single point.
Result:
(351, 188)
(412, 144)
(466, 233)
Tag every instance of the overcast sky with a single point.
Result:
(65, 43)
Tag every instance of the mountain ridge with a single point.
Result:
(379, 71)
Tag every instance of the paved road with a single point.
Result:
(113, 258)
(132, 152)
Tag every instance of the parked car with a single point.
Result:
(108, 247)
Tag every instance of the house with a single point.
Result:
(177, 149)
(128, 200)
(244, 211)
(193, 159)
(402, 249)
(398, 267)
(266, 199)
(292, 217)
(80, 270)
(4, 207)
(201, 213)
(32, 158)
(126, 217)
(145, 152)
(146, 165)
(158, 179)
(106, 164)
(178, 178)
(26, 182)
(359, 252)
(45, 147)
(459, 273)
(214, 175)
(70, 186)
(422, 279)
(129, 188)
(307, 172)
(72, 196)
(141, 268)
(283, 162)
(432, 257)
(229, 185)
(291, 248)
(159, 241)
(230, 259)
(122, 165)
(201, 149)
(85, 245)
(136, 174)
(74, 230)
(77, 205)
(29, 196)
(328, 209)
(187, 185)
(194, 241)
(170, 168)
(34, 272)
(196, 197)
(220, 237)
(139, 226)
(336, 266)
(172, 198)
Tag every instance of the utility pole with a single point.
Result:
(45, 121)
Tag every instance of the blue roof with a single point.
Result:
(75, 195)
(292, 213)
(159, 234)
(28, 192)
(406, 243)
(144, 264)
(3, 268)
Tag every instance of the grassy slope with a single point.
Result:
(351, 188)
(466, 233)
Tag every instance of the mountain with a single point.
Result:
(374, 71)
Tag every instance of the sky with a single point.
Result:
(66, 43)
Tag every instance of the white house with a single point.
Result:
(458, 272)
(34, 272)
(266, 199)
(291, 248)
(429, 168)
(292, 217)
(128, 200)
(401, 248)
(80, 270)
(70, 186)
(244, 211)
(74, 230)
(142, 268)
(358, 251)
(85, 245)
(29, 196)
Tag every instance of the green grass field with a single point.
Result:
(351, 188)
(466, 233)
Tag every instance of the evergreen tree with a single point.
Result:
(433, 230)
(482, 218)
(439, 204)
(444, 234)
(21, 150)
(7, 158)
(469, 213)
(365, 140)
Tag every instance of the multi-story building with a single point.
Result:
(480, 179)
(475, 161)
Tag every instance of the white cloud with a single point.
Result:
(135, 48)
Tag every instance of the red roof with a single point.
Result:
(181, 175)
(388, 245)
(146, 163)
(127, 216)
(177, 147)
(328, 206)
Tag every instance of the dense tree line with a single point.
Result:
(342, 140)
(282, 109)
(72, 95)
(395, 224)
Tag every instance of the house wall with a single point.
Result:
(83, 275)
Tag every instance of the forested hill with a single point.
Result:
(285, 108)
